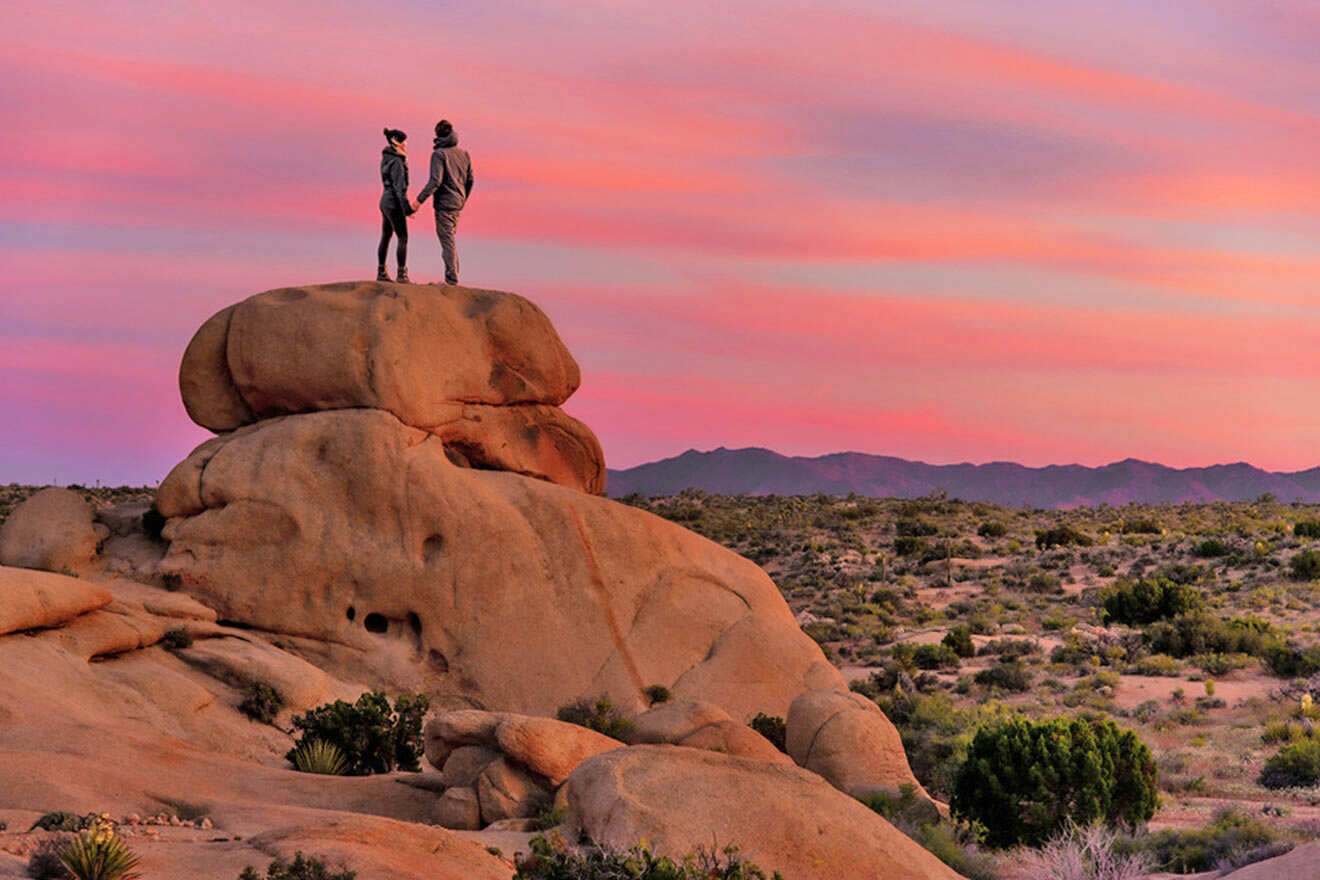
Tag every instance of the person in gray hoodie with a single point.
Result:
(451, 183)
(394, 207)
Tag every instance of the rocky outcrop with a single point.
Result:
(52, 530)
(700, 725)
(39, 599)
(847, 739)
(501, 765)
(354, 528)
(782, 817)
(482, 369)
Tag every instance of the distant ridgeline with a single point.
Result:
(764, 472)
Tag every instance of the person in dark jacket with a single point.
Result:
(451, 182)
(394, 207)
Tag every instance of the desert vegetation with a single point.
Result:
(1188, 631)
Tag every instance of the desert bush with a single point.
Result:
(915, 528)
(1290, 661)
(1146, 600)
(44, 863)
(1086, 852)
(1231, 840)
(319, 756)
(953, 843)
(1010, 647)
(1201, 633)
(1277, 732)
(176, 639)
(1062, 536)
(1296, 764)
(772, 728)
(373, 737)
(939, 656)
(1156, 664)
(99, 854)
(1023, 780)
(1305, 566)
(58, 820)
(959, 640)
(656, 693)
(1141, 526)
(1007, 675)
(1211, 548)
(600, 715)
(1307, 528)
(301, 868)
(1220, 664)
(261, 702)
(1044, 583)
(551, 859)
(992, 529)
(153, 522)
(906, 545)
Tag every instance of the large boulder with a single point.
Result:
(845, 738)
(52, 530)
(482, 369)
(414, 350)
(781, 817)
(699, 725)
(354, 528)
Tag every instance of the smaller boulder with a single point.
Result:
(672, 721)
(507, 791)
(461, 727)
(458, 809)
(40, 600)
(733, 738)
(845, 738)
(465, 764)
(548, 747)
(52, 530)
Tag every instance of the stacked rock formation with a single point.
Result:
(370, 489)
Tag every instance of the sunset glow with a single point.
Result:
(1044, 231)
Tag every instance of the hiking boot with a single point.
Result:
(381, 274)
(403, 276)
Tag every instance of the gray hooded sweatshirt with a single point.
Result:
(451, 175)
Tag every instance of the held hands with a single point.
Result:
(413, 206)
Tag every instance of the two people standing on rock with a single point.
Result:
(450, 183)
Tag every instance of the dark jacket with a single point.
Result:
(451, 175)
(394, 177)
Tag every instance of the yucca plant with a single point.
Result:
(99, 854)
(319, 756)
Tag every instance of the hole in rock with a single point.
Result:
(414, 623)
(350, 613)
(438, 661)
(470, 455)
(376, 623)
(433, 547)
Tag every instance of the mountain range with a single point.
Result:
(755, 471)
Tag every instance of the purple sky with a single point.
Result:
(1045, 232)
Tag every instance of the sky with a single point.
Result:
(1042, 231)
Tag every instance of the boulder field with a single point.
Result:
(394, 499)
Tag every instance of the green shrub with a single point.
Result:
(992, 529)
(1143, 526)
(1010, 648)
(99, 855)
(600, 715)
(261, 702)
(1211, 548)
(935, 657)
(319, 756)
(1006, 675)
(1220, 664)
(1289, 661)
(1156, 664)
(1307, 528)
(918, 818)
(1284, 732)
(301, 868)
(373, 737)
(1146, 600)
(959, 640)
(153, 522)
(45, 863)
(915, 528)
(1305, 566)
(909, 546)
(1231, 840)
(59, 820)
(550, 859)
(771, 727)
(1297, 764)
(1023, 780)
(656, 693)
(1201, 633)
(1043, 582)
(176, 639)
(1062, 536)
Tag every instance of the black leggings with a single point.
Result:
(393, 222)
